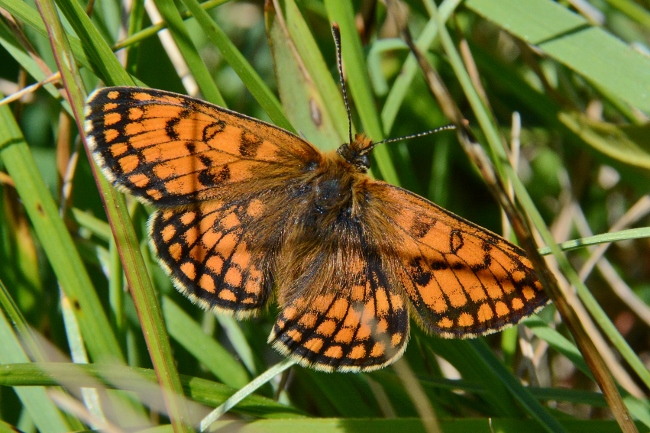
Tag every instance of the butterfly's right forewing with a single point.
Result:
(463, 280)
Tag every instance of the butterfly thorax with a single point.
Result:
(332, 191)
(357, 152)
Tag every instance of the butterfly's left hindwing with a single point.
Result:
(357, 321)
(211, 252)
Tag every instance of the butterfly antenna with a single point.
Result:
(336, 32)
(419, 134)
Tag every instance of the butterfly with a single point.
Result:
(248, 211)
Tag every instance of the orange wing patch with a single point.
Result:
(206, 249)
(173, 150)
(360, 328)
(463, 280)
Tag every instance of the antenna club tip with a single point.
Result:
(336, 31)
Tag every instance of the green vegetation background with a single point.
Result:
(582, 90)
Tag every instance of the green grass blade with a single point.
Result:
(199, 71)
(30, 17)
(251, 79)
(633, 10)
(56, 240)
(189, 334)
(307, 99)
(335, 425)
(492, 136)
(42, 410)
(519, 392)
(244, 392)
(150, 31)
(623, 235)
(200, 390)
(410, 67)
(358, 83)
(141, 289)
(101, 58)
(626, 144)
(590, 51)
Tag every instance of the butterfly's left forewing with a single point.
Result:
(172, 150)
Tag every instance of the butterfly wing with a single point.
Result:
(340, 309)
(361, 328)
(216, 254)
(463, 280)
(219, 178)
(172, 150)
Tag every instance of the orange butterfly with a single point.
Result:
(247, 207)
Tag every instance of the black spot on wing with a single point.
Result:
(456, 241)
(170, 127)
(249, 144)
(214, 176)
(210, 131)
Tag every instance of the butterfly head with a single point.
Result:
(357, 152)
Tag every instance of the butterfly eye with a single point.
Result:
(363, 161)
(359, 159)
(345, 152)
